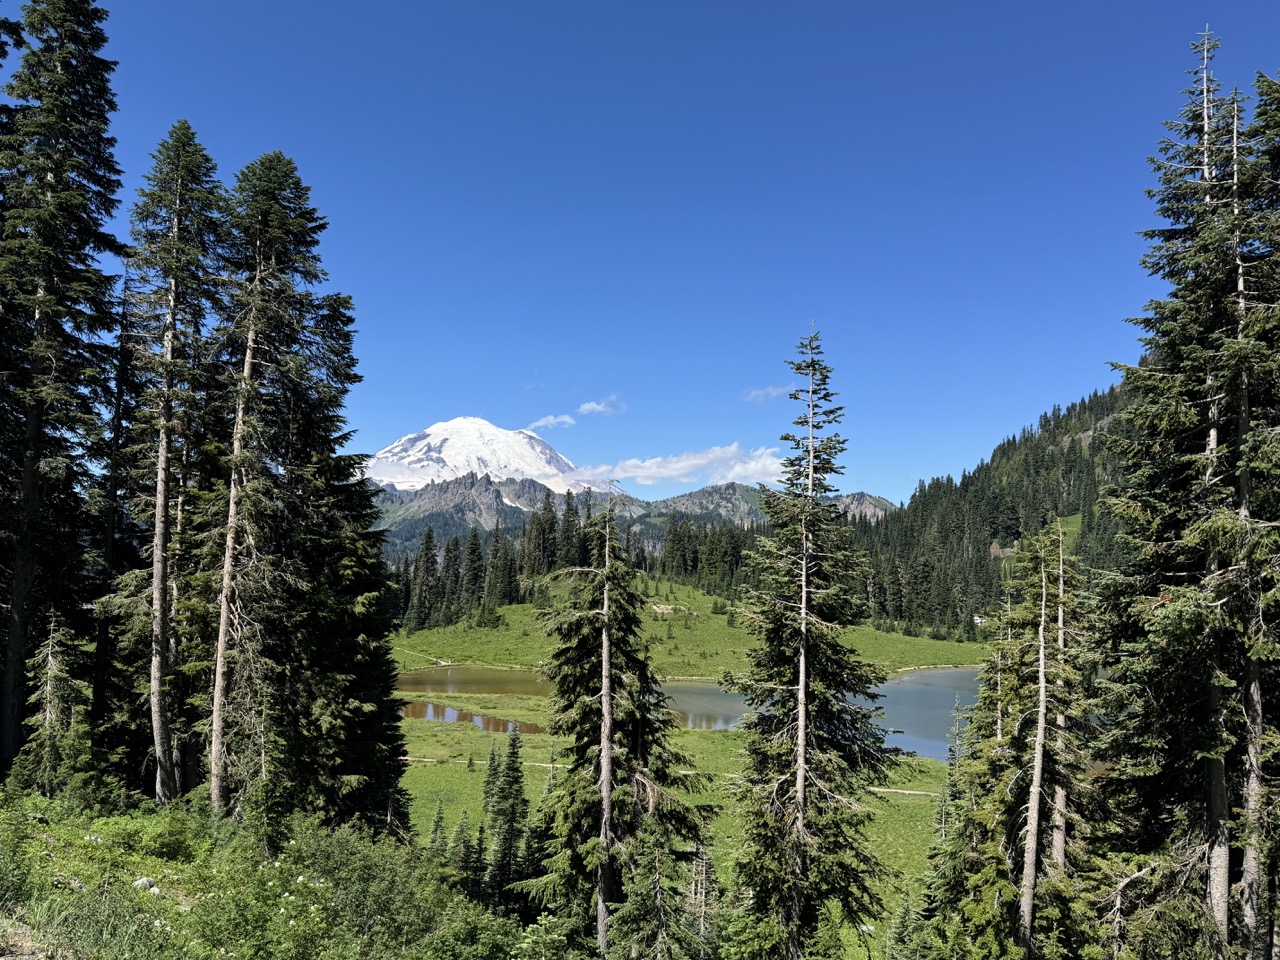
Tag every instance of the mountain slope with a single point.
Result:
(452, 507)
(469, 445)
(466, 473)
(937, 564)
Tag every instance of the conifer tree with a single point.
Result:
(448, 604)
(273, 255)
(462, 846)
(501, 586)
(653, 920)
(178, 233)
(813, 748)
(569, 540)
(437, 845)
(313, 672)
(1191, 642)
(58, 717)
(60, 184)
(508, 815)
(492, 774)
(997, 886)
(424, 588)
(473, 572)
(539, 552)
(623, 769)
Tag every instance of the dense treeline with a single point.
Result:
(469, 578)
(939, 564)
(709, 555)
(1114, 794)
(174, 497)
(934, 566)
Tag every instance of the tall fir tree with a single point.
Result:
(508, 814)
(448, 603)
(623, 771)
(312, 669)
(1191, 637)
(424, 585)
(474, 567)
(59, 187)
(1002, 882)
(178, 229)
(813, 748)
(272, 253)
(570, 546)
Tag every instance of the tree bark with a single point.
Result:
(1252, 883)
(604, 872)
(1253, 930)
(1058, 835)
(166, 782)
(217, 750)
(1217, 882)
(1031, 843)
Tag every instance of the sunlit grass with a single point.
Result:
(450, 762)
(686, 641)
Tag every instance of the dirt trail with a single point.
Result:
(16, 942)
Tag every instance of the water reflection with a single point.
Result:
(423, 710)
(917, 707)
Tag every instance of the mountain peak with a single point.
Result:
(454, 448)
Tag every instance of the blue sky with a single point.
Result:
(616, 220)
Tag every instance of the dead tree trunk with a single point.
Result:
(1058, 836)
(604, 872)
(1031, 843)
(166, 781)
(226, 599)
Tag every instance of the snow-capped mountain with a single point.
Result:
(455, 448)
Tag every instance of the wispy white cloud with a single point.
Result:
(552, 420)
(608, 406)
(760, 394)
(714, 465)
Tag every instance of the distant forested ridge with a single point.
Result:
(940, 563)
(523, 530)
(1114, 794)
(935, 566)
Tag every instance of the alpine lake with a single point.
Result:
(917, 708)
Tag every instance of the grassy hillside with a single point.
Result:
(687, 640)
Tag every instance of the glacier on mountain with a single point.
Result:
(454, 448)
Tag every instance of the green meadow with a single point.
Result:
(688, 640)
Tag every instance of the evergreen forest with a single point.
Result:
(205, 752)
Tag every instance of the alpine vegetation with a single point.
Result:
(813, 747)
(202, 746)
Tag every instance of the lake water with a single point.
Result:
(917, 706)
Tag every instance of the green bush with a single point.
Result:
(15, 829)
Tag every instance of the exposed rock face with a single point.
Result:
(452, 507)
(735, 502)
(864, 505)
(455, 448)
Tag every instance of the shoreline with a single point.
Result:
(444, 665)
